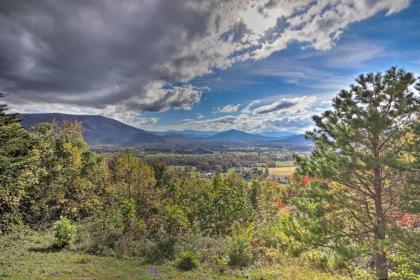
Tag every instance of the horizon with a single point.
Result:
(213, 132)
(257, 67)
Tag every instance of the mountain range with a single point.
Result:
(99, 130)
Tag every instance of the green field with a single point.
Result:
(284, 163)
(29, 256)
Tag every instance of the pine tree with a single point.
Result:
(366, 146)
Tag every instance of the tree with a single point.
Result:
(15, 166)
(70, 178)
(364, 159)
(224, 203)
(137, 179)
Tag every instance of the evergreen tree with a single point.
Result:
(15, 167)
(364, 161)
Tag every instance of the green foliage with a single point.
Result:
(364, 162)
(134, 179)
(128, 211)
(16, 168)
(187, 261)
(403, 265)
(225, 203)
(176, 221)
(64, 232)
(240, 253)
(69, 178)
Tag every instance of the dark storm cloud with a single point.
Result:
(95, 53)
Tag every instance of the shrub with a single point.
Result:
(187, 261)
(64, 232)
(240, 250)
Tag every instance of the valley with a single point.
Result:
(201, 153)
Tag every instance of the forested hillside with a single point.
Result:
(350, 211)
(97, 130)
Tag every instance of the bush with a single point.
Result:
(64, 232)
(240, 249)
(187, 261)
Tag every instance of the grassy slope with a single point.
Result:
(27, 256)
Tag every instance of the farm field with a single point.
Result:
(281, 171)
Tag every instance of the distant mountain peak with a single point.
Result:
(98, 130)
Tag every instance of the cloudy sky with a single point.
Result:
(263, 65)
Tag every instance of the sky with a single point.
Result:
(257, 66)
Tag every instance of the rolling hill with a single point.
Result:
(234, 135)
(186, 133)
(98, 130)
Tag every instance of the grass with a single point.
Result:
(29, 255)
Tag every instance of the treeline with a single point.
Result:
(221, 163)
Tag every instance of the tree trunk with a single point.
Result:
(381, 263)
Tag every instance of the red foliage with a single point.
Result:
(404, 219)
(306, 180)
(282, 207)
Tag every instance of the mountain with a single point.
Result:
(98, 130)
(234, 135)
(186, 133)
(277, 134)
(298, 139)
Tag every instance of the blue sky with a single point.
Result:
(372, 45)
(275, 83)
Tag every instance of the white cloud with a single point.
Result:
(230, 108)
(141, 122)
(296, 118)
(321, 23)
